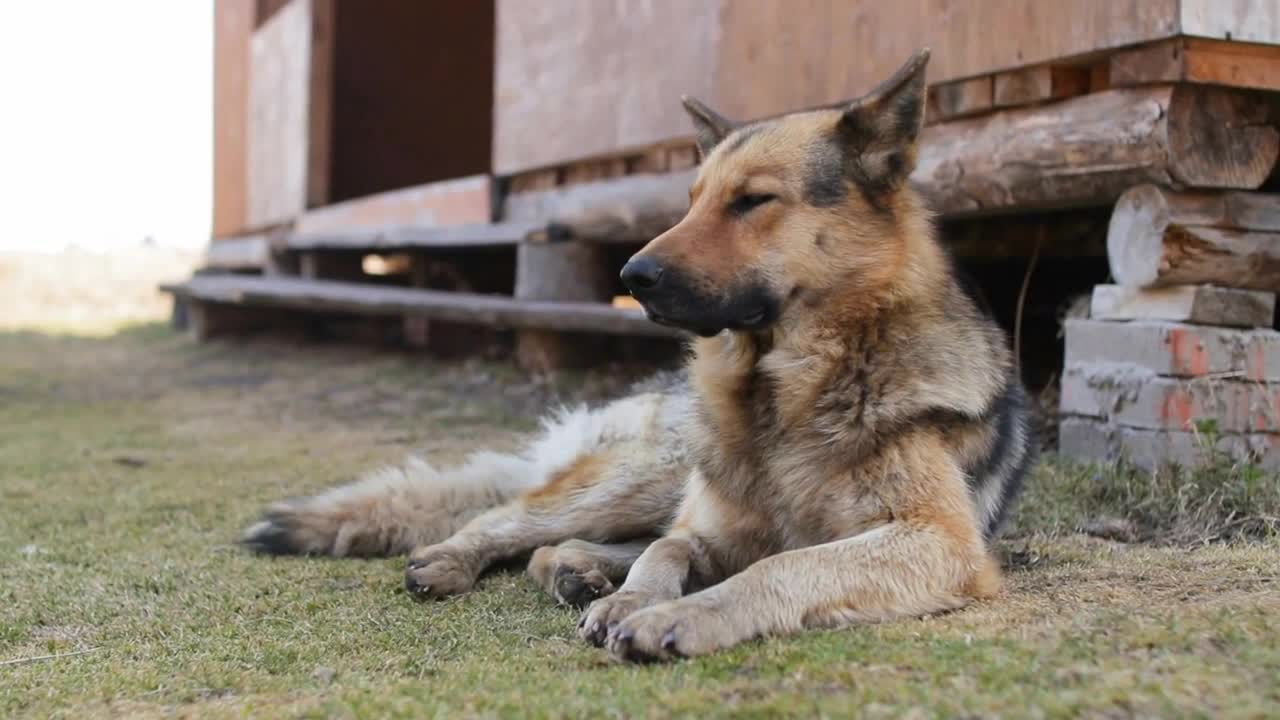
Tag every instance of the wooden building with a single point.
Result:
(460, 167)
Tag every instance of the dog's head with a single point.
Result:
(786, 209)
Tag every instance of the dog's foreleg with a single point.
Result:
(928, 559)
(597, 499)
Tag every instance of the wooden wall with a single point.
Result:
(581, 78)
(233, 27)
(290, 96)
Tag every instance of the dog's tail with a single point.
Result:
(392, 510)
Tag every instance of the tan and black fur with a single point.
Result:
(847, 438)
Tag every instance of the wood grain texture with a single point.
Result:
(617, 69)
(1089, 149)
(233, 28)
(1157, 238)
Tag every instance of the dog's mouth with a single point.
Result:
(754, 319)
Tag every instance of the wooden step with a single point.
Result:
(363, 299)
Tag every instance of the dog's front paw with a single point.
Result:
(681, 628)
(604, 614)
(436, 572)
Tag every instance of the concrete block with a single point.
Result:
(1135, 397)
(1175, 349)
(1091, 440)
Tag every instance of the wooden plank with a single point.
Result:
(494, 310)
(617, 71)
(289, 112)
(503, 234)
(1242, 20)
(1039, 84)
(465, 201)
(1199, 61)
(233, 29)
(1157, 238)
(1198, 304)
(961, 98)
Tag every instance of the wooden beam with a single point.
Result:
(1192, 60)
(1083, 151)
(1087, 150)
(1157, 237)
(630, 209)
(361, 299)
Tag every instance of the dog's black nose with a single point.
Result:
(641, 273)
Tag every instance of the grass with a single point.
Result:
(130, 461)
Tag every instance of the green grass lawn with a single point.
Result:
(129, 464)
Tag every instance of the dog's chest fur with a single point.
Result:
(782, 438)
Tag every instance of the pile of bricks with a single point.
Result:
(1169, 375)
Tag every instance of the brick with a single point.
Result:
(1197, 304)
(1175, 349)
(1090, 440)
(1135, 397)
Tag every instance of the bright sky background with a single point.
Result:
(106, 123)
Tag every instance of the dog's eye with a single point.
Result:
(744, 204)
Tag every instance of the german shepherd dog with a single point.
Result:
(845, 440)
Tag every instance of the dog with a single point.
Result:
(844, 442)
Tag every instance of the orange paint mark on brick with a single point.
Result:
(1189, 357)
(1255, 363)
(1176, 410)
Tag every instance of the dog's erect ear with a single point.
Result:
(880, 128)
(710, 127)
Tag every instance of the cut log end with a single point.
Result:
(1135, 236)
(1220, 138)
(1159, 238)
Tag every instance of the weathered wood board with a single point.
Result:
(617, 69)
(464, 201)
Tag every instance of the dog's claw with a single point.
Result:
(669, 641)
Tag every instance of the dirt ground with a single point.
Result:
(130, 459)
